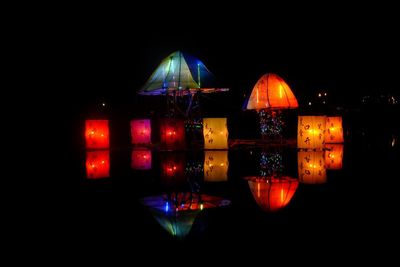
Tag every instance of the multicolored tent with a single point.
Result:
(180, 74)
(176, 213)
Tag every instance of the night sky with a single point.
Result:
(346, 52)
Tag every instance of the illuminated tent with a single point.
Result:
(271, 92)
(270, 95)
(272, 194)
(180, 74)
(176, 213)
(181, 78)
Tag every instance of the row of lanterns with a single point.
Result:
(172, 133)
(313, 132)
(312, 165)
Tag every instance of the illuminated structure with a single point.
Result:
(216, 165)
(311, 167)
(215, 131)
(140, 132)
(141, 159)
(96, 134)
(97, 164)
(311, 132)
(334, 130)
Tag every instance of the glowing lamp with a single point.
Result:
(172, 133)
(311, 166)
(271, 92)
(96, 134)
(215, 133)
(141, 159)
(216, 165)
(311, 131)
(97, 164)
(173, 168)
(272, 194)
(140, 132)
(334, 130)
(334, 156)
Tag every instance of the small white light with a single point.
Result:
(103, 104)
(309, 103)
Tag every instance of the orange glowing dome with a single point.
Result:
(271, 92)
(273, 194)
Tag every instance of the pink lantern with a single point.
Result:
(141, 159)
(172, 133)
(141, 131)
(97, 164)
(96, 134)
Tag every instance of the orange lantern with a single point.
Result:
(172, 133)
(141, 159)
(334, 130)
(311, 165)
(311, 131)
(216, 165)
(271, 92)
(97, 164)
(96, 133)
(215, 131)
(334, 156)
(141, 132)
(272, 194)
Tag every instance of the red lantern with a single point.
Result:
(273, 194)
(141, 132)
(97, 164)
(334, 156)
(96, 133)
(334, 130)
(141, 159)
(173, 168)
(172, 133)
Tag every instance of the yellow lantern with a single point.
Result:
(334, 156)
(311, 131)
(334, 130)
(311, 167)
(215, 131)
(216, 165)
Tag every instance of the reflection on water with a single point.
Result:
(97, 164)
(334, 156)
(271, 163)
(176, 212)
(216, 166)
(311, 166)
(272, 194)
(172, 167)
(141, 159)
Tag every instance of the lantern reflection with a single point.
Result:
(216, 165)
(97, 164)
(311, 167)
(140, 132)
(334, 130)
(172, 167)
(176, 212)
(215, 133)
(272, 194)
(334, 156)
(311, 131)
(141, 159)
(172, 133)
(96, 134)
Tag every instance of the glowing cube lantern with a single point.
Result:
(141, 131)
(172, 133)
(334, 156)
(311, 132)
(96, 134)
(334, 130)
(172, 168)
(216, 165)
(141, 159)
(311, 167)
(215, 133)
(97, 164)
